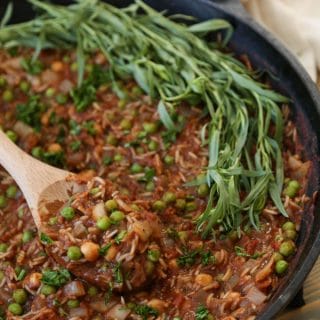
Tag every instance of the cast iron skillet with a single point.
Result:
(291, 79)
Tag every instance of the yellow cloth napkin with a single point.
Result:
(296, 23)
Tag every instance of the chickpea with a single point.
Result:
(90, 251)
(57, 66)
(203, 279)
(33, 281)
(112, 252)
(55, 148)
(157, 304)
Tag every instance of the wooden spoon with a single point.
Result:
(46, 189)
(39, 182)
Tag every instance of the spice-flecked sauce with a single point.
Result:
(138, 213)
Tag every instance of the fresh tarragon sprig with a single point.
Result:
(173, 62)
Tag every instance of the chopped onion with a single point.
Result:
(119, 312)
(81, 312)
(301, 173)
(74, 289)
(256, 296)
(98, 211)
(66, 86)
(79, 230)
(22, 129)
(101, 306)
(49, 77)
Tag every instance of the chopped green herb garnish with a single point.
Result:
(33, 67)
(55, 278)
(118, 278)
(75, 145)
(30, 112)
(120, 236)
(207, 258)
(90, 127)
(22, 273)
(202, 313)
(75, 128)
(45, 239)
(188, 258)
(241, 252)
(145, 311)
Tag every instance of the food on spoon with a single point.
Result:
(192, 146)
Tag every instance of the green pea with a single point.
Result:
(169, 197)
(12, 135)
(74, 67)
(94, 191)
(74, 253)
(288, 226)
(125, 124)
(139, 150)
(281, 267)
(290, 234)
(183, 235)
(3, 247)
(136, 168)
(20, 296)
(66, 59)
(50, 92)
(153, 145)
(107, 160)
(149, 267)
(15, 309)
(1, 275)
(135, 207)
(3, 81)
(61, 98)
(112, 139)
(117, 216)
(92, 291)
(191, 206)
(292, 188)
(169, 160)
(73, 303)
(203, 190)
(153, 255)
(7, 95)
(287, 248)
(158, 205)
(68, 213)
(150, 186)
(89, 67)
(47, 290)
(111, 205)
(277, 257)
(118, 157)
(233, 235)
(11, 191)
(36, 152)
(53, 220)
(104, 223)
(27, 236)
(122, 103)
(3, 201)
(136, 91)
(180, 204)
(24, 86)
(131, 305)
(150, 127)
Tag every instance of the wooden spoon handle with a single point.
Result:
(31, 175)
